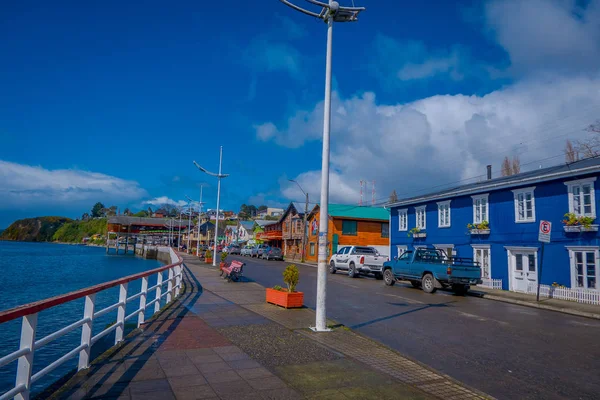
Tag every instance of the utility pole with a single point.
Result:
(330, 13)
(199, 214)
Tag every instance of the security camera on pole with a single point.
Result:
(330, 12)
(219, 176)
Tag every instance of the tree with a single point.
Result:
(85, 217)
(142, 214)
(393, 196)
(97, 210)
(262, 208)
(511, 167)
(591, 146)
(571, 155)
(150, 212)
(127, 212)
(516, 165)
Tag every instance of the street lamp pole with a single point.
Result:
(220, 176)
(199, 214)
(331, 12)
(305, 232)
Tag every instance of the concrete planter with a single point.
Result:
(285, 298)
(480, 231)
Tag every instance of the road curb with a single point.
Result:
(535, 305)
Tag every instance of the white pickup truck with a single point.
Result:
(358, 260)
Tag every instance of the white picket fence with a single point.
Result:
(585, 296)
(491, 283)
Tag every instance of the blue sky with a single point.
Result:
(111, 102)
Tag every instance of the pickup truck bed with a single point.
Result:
(431, 269)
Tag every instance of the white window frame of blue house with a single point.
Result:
(479, 198)
(573, 250)
(577, 197)
(522, 204)
(421, 217)
(444, 214)
(403, 220)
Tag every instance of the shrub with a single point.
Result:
(291, 275)
(277, 287)
(223, 256)
(208, 254)
(413, 231)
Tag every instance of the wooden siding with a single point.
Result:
(368, 232)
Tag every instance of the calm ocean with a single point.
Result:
(36, 271)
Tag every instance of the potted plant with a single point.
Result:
(287, 298)
(223, 263)
(573, 223)
(208, 258)
(416, 233)
(482, 228)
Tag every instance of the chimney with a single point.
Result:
(489, 172)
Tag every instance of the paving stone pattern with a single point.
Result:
(220, 340)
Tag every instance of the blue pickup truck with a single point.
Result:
(432, 269)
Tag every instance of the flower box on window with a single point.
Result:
(573, 223)
(420, 235)
(591, 228)
(482, 228)
(480, 231)
(572, 228)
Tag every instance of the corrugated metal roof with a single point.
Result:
(264, 222)
(357, 212)
(248, 225)
(589, 165)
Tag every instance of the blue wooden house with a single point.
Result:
(496, 221)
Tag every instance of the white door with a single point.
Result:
(482, 256)
(524, 270)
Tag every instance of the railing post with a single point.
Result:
(121, 313)
(170, 286)
(177, 280)
(141, 315)
(25, 363)
(159, 281)
(86, 332)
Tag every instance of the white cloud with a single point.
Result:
(441, 139)
(547, 35)
(432, 67)
(26, 186)
(162, 200)
(266, 131)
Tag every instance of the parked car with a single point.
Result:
(273, 253)
(431, 269)
(358, 260)
(233, 249)
(258, 250)
(246, 251)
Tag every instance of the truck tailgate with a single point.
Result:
(461, 271)
(375, 260)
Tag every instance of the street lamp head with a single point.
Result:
(331, 10)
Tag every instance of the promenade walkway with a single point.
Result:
(222, 341)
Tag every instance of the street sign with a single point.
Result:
(545, 229)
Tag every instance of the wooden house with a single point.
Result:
(349, 225)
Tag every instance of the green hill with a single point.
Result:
(75, 231)
(39, 229)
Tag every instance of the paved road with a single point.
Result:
(508, 351)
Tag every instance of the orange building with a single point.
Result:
(349, 225)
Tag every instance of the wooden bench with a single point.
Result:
(234, 271)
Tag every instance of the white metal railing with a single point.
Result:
(29, 314)
(580, 295)
(491, 283)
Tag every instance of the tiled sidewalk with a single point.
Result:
(221, 340)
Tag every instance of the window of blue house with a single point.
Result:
(582, 200)
(349, 228)
(403, 220)
(524, 205)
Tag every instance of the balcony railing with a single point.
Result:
(29, 314)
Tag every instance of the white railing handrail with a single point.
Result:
(29, 314)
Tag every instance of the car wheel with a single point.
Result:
(332, 268)
(416, 284)
(428, 283)
(352, 271)
(388, 277)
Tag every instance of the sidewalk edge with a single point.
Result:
(534, 305)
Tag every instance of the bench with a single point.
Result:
(234, 271)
